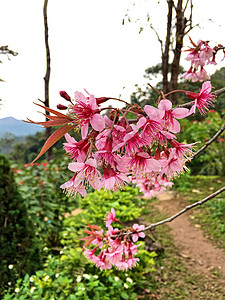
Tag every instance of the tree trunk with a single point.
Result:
(181, 22)
(47, 75)
(165, 54)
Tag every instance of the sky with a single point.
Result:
(90, 48)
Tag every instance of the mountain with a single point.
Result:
(17, 127)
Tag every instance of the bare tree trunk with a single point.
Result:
(165, 54)
(181, 23)
(47, 74)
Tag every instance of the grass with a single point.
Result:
(211, 215)
(173, 279)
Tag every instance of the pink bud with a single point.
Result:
(65, 95)
(101, 100)
(61, 107)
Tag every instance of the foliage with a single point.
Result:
(212, 160)
(19, 249)
(127, 203)
(45, 202)
(80, 279)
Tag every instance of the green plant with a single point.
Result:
(212, 160)
(19, 249)
(45, 202)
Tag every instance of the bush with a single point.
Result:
(69, 275)
(45, 202)
(212, 160)
(19, 249)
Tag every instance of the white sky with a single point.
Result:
(89, 47)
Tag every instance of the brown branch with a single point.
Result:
(188, 207)
(184, 210)
(219, 92)
(210, 141)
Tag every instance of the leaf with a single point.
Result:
(56, 122)
(55, 112)
(53, 139)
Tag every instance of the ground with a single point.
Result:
(194, 268)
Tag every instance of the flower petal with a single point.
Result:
(97, 122)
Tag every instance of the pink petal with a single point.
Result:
(97, 122)
(84, 130)
(176, 126)
(141, 234)
(151, 111)
(135, 237)
(75, 166)
(109, 183)
(79, 96)
(165, 105)
(180, 113)
(141, 122)
(91, 162)
(93, 102)
(69, 138)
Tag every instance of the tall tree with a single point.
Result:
(47, 74)
(178, 24)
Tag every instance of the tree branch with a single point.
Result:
(210, 141)
(170, 219)
(188, 207)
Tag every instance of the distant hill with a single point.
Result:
(17, 127)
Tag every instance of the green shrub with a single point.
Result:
(45, 202)
(212, 160)
(69, 275)
(19, 249)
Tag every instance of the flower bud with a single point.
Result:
(61, 107)
(65, 95)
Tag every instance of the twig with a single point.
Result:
(170, 219)
(188, 207)
(210, 141)
(189, 104)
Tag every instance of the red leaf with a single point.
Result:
(55, 122)
(53, 139)
(55, 112)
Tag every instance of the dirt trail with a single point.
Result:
(197, 251)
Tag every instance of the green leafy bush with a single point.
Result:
(69, 275)
(19, 249)
(45, 202)
(212, 160)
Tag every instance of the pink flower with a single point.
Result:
(132, 142)
(86, 172)
(90, 253)
(105, 156)
(169, 115)
(77, 150)
(135, 236)
(74, 187)
(112, 180)
(86, 111)
(203, 99)
(111, 217)
(150, 129)
(173, 165)
(141, 163)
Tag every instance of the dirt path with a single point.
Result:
(198, 252)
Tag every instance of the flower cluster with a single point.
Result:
(115, 247)
(114, 150)
(200, 55)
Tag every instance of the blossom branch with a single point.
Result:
(210, 141)
(189, 104)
